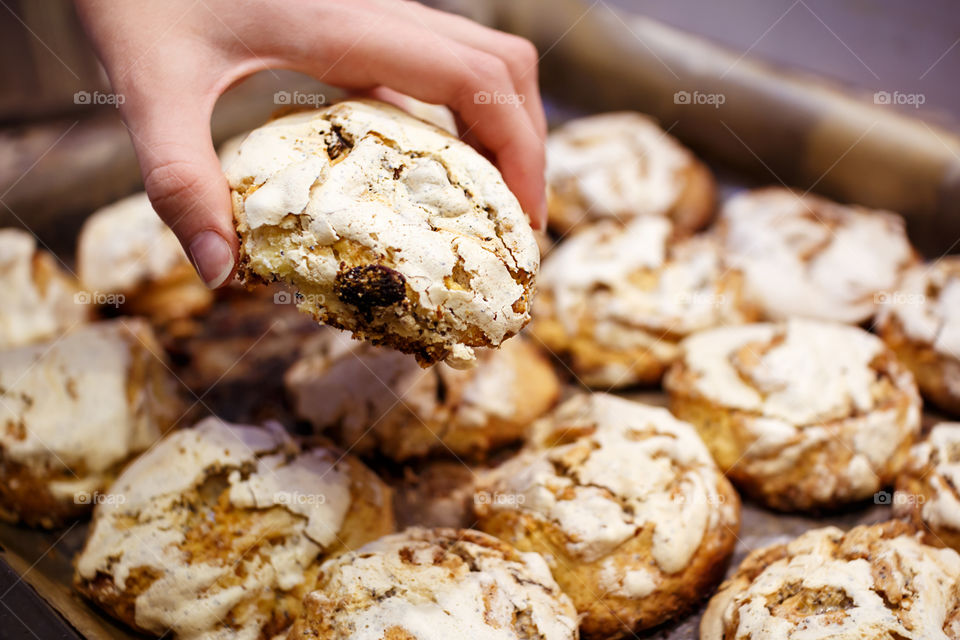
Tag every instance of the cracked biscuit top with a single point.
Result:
(389, 228)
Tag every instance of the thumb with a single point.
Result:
(186, 185)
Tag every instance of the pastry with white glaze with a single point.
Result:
(388, 227)
(927, 487)
(615, 300)
(803, 255)
(625, 500)
(436, 584)
(219, 531)
(74, 410)
(876, 582)
(40, 300)
(800, 415)
(921, 323)
(623, 166)
(126, 255)
(372, 399)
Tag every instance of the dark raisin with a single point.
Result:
(369, 286)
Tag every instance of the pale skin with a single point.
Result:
(172, 59)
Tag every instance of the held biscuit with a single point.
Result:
(800, 415)
(615, 300)
(219, 531)
(623, 166)
(871, 583)
(40, 300)
(436, 584)
(803, 255)
(921, 323)
(927, 487)
(388, 227)
(74, 410)
(373, 399)
(626, 502)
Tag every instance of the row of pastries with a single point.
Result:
(794, 338)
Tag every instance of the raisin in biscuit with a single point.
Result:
(388, 227)
(615, 300)
(40, 300)
(871, 583)
(623, 166)
(628, 504)
(921, 323)
(927, 487)
(126, 250)
(436, 584)
(219, 531)
(373, 399)
(75, 409)
(800, 415)
(803, 255)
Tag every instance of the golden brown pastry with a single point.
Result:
(927, 488)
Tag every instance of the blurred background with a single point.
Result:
(857, 99)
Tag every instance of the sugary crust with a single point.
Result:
(626, 503)
(374, 399)
(39, 298)
(75, 409)
(219, 531)
(389, 227)
(872, 583)
(927, 487)
(615, 301)
(806, 256)
(805, 415)
(436, 584)
(623, 166)
(126, 249)
(921, 323)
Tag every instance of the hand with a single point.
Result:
(172, 59)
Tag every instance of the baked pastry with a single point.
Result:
(874, 582)
(387, 226)
(927, 487)
(803, 255)
(615, 300)
(437, 493)
(219, 531)
(75, 409)
(373, 399)
(626, 502)
(800, 415)
(921, 323)
(40, 300)
(622, 165)
(436, 584)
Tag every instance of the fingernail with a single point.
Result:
(212, 257)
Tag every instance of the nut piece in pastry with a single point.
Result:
(802, 255)
(615, 300)
(624, 166)
(927, 487)
(388, 227)
(128, 255)
(800, 415)
(626, 502)
(436, 584)
(921, 323)
(874, 582)
(378, 400)
(39, 300)
(219, 531)
(74, 409)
